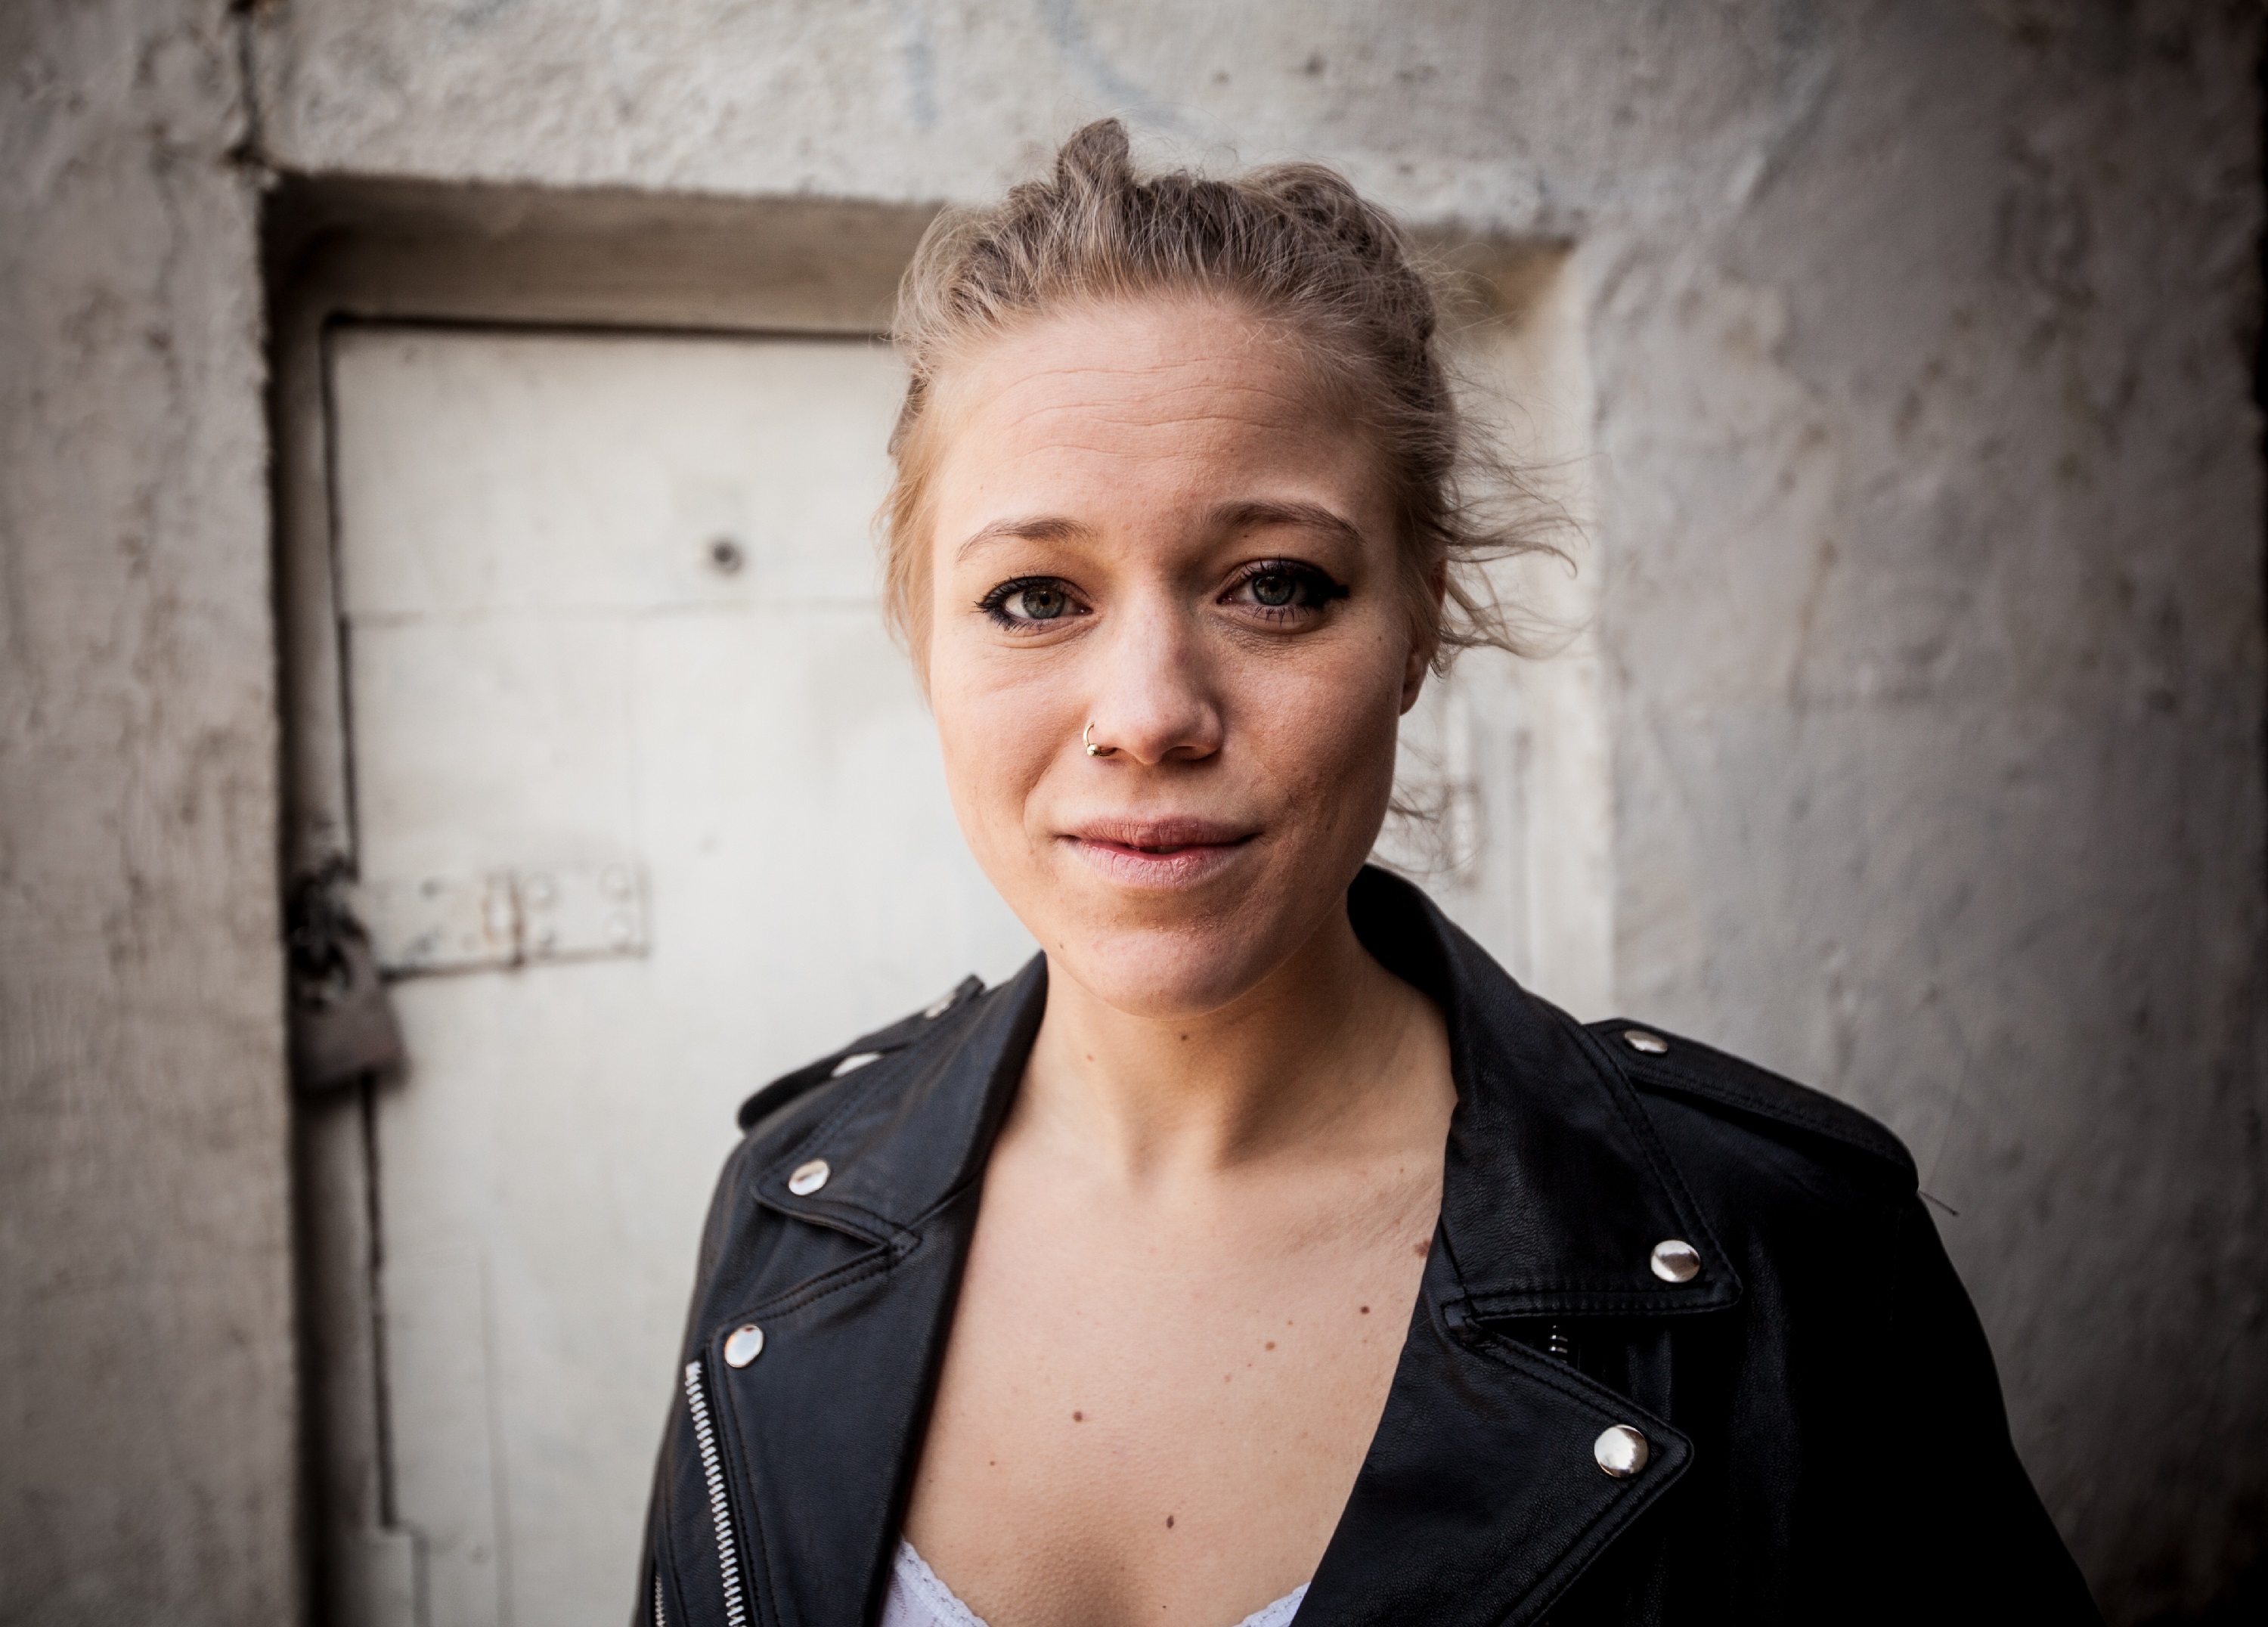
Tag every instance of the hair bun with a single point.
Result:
(1097, 158)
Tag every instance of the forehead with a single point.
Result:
(1161, 393)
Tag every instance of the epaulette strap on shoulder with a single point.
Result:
(865, 1049)
(1659, 1060)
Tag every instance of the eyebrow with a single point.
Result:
(1240, 516)
(1313, 516)
(1035, 528)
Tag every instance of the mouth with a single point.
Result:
(1159, 852)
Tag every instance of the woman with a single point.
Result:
(1261, 1248)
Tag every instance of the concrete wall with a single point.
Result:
(1930, 534)
(146, 1411)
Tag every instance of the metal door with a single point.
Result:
(647, 809)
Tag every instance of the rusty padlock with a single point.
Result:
(342, 1022)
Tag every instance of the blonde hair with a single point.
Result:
(1295, 245)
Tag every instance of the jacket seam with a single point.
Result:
(1666, 1076)
(760, 1554)
(663, 1556)
(1630, 1300)
(840, 1215)
(880, 1261)
(1642, 1132)
(1576, 1561)
(852, 1098)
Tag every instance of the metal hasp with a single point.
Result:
(506, 917)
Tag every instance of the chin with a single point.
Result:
(1164, 971)
(1181, 952)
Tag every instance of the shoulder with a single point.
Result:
(1745, 1098)
(909, 1032)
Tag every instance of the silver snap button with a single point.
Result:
(808, 1178)
(1621, 1450)
(1639, 1040)
(855, 1061)
(1675, 1261)
(745, 1345)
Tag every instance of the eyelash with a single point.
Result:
(994, 604)
(1312, 589)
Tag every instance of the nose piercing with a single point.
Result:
(1086, 739)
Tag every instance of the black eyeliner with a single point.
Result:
(993, 601)
(1314, 579)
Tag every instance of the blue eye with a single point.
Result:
(1038, 604)
(1027, 601)
(1283, 589)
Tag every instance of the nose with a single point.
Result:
(1153, 699)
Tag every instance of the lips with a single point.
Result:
(1161, 836)
(1159, 852)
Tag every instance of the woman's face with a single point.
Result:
(1145, 520)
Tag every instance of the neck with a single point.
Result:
(1324, 1058)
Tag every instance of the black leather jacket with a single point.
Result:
(1824, 1438)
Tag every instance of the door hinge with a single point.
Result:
(506, 917)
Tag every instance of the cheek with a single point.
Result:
(1337, 701)
(1323, 734)
(999, 735)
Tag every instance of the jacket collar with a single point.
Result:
(1555, 1190)
(910, 1132)
(1480, 1499)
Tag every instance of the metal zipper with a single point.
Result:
(713, 1470)
(660, 1615)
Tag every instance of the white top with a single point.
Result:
(917, 1599)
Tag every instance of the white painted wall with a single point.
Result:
(1928, 555)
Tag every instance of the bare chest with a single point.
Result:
(1155, 1414)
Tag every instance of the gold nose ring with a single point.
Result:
(1087, 739)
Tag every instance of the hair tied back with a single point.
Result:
(1296, 244)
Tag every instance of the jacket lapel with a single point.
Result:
(1555, 1190)
(825, 1426)
(1482, 1496)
